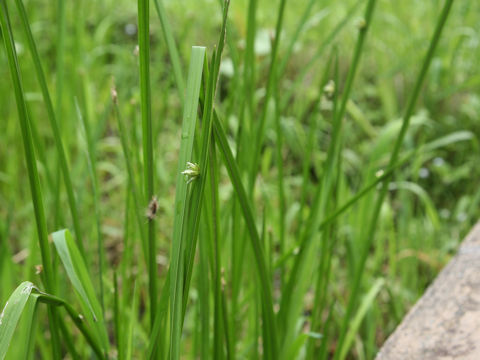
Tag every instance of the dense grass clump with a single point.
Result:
(242, 180)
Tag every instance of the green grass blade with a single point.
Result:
(203, 290)
(78, 274)
(280, 173)
(348, 204)
(186, 149)
(450, 139)
(29, 327)
(328, 40)
(294, 40)
(40, 151)
(311, 140)
(130, 324)
(172, 49)
(198, 189)
(298, 282)
(33, 177)
(248, 82)
(10, 315)
(28, 144)
(218, 331)
(61, 24)
(60, 55)
(247, 104)
(266, 288)
(197, 193)
(136, 193)
(117, 321)
(92, 167)
(271, 80)
(365, 305)
(23, 301)
(321, 199)
(147, 136)
(423, 198)
(156, 341)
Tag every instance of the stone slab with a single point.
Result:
(445, 323)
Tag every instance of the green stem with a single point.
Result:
(172, 49)
(280, 173)
(266, 288)
(217, 307)
(147, 131)
(76, 317)
(270, 85)
(92, 166)
(131, 177)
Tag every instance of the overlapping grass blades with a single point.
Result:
(64, 167)
(181, 205)
(271, 80)
(92, 167)
(266, 288)
(287, 309)
(135, 191)
(369, 234)
(24, 300)
(48, 276)
(10, 315)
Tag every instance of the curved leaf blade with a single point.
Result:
(77, 272)
(11, 313)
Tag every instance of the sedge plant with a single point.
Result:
(264, 202)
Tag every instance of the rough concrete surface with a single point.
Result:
(445, 323)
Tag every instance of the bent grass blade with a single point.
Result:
(78, 274)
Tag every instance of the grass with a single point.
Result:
(179, 230)
(287, 195)
(393, 159)
(35, 190)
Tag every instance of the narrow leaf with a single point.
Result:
(78, 274)
(10, 315)
(186, 148)
(357, 320)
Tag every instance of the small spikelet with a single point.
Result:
(152, 208)
(191, 172)
(329, 89)
(38, 269)
(114, 94)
